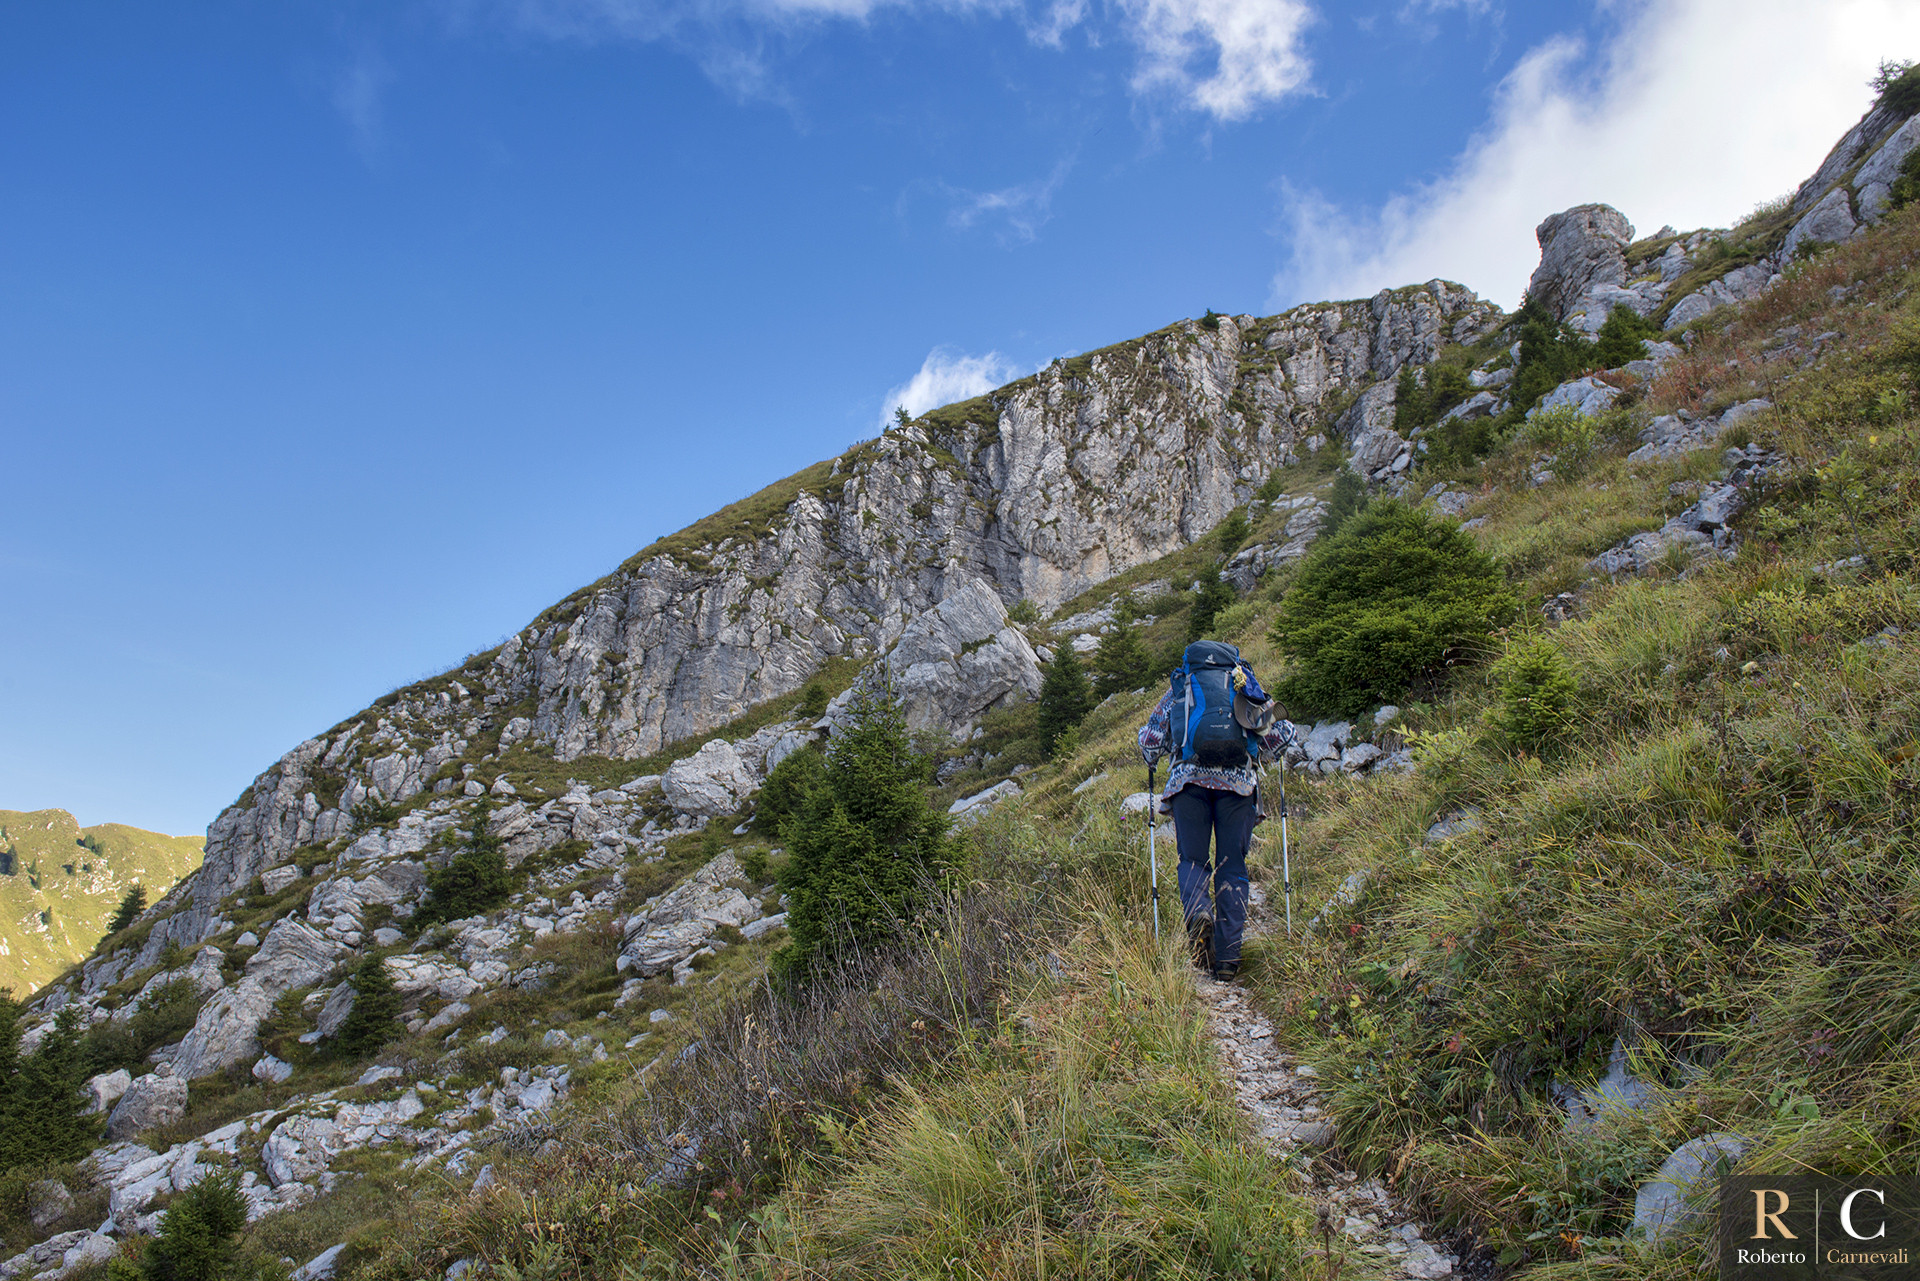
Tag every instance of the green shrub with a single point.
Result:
(1065, 697)
(813, 701)
(196, 1235)
(1121, 663)
(788, 786)
(1347, 498)
(1550, 354)
(370, 1024)
(1623, 337)
(1023, 612)
(1898, 85)
(1215, 594)
(868, 846)
(165, 1014)
(474, 880)
(1571, 436)
(41, 1122)
(1233, 531)
(1906, 187)
(1537, 689)
(1395, 596)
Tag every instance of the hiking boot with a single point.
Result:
(1226, 972)
(1200, 940)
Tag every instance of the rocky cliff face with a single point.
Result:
(1048, 486)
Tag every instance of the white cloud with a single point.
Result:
(1694, 113)
(1024, 208)
(947, 376)
(1249, 51)
(1226, 58)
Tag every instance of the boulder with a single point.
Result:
(275, 879)
(48, 1201)
(1674, 1198)
(321, 1266)
(293, 955)
(334, 1013)
(968, 809)
(159, 1098)
(93, 1248)
(1829, 222)
(299, 1149)
(961, 659)
(1874, 181)
(1587, 396)
(274, 1071)
(104, 1090)
(713, 781)
(1581, 248)
(681, 922)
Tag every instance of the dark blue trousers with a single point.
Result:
(1204, 816)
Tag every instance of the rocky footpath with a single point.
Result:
(1284, 1106)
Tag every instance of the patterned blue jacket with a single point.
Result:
(1156, 741)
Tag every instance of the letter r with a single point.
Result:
(1846, 1213)
(1761, 1215)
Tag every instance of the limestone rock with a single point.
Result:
(151, 1101)
(1742, 284)
(275, 879)
(1875, 178)
(1583, 247)
(1828, 222)
(1587, 397)
(299, 1149)
(712, 781)
(960, 660)
(48, 1201)
(321, 1266)
(293, 955)
(268, 1068)
(104, 1090)
(682, 921)
(968, 809)
(1673, 1199)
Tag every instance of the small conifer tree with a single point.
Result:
(1215, 594)
(867, 844)
(132, 903)
(41, 1099)
(475, 879)
(195, 1242)
(1065, 697)
(1121, 662)
(370, 1023)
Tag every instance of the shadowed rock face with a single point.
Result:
(1580, 250)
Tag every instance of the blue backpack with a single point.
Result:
(1205, 730)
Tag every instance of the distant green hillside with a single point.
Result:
(60, 882)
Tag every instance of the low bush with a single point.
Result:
(1394, 597)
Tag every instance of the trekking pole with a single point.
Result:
(1286, 859)
(1153, 861)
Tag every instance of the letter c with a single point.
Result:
(1846, 1213)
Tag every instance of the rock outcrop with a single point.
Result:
(1582, 256)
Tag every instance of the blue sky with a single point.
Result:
(337, 340)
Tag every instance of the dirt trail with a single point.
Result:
(1283, 1099)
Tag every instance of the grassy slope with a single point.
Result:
(1717, 865)
(78, 903)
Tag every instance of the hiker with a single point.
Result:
(1218, 725)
